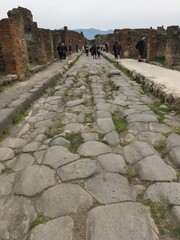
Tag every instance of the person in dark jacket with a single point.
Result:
(140, 46)
(60, 51)
(115, 49)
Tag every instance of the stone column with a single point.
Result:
(14, 52)
(125, 43)
(66, 40)
(172, 46)
(152, 45)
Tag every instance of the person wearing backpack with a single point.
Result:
(140, 46)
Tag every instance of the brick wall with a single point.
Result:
(13, 51)
(173, 46)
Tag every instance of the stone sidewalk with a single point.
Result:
(19, 96)
(161, 81)
(92, 161)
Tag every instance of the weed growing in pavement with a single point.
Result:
(130, 175)
(160, 146)
(19, 117)
(158, 213)
(89, 118)
(175, 232)
(176, 129)
(7, 170)
(56, 127)
(119, 123)
(39, 220)
(75, 141)
(159, 110)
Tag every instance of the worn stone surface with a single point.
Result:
(109, 188)
(153, 168)
(79, 169)
(113, 163)
(15, 216)
(57, 156)
(72, 197)
(121, 221)
(93, 148)
(34, 179)
(21, 162)
(165, 193)
(6, 153)
(138, 150)
(92, 185)
(60, 228)
(6, 183)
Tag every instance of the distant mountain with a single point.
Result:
(91, 32)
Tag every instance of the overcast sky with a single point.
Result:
(100, 14)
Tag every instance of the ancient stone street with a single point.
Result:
(96, 158)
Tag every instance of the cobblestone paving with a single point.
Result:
(95, 159)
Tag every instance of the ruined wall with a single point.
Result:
(152, 45)
(47, 40)
(173, 47)
(22, 42)
(1, 60)
(14, 49)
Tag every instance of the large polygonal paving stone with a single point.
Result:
(63, 199)
(6, 183)
(93, 148)
(16, 215)
(138, 150)
(57, 156)
(79, 169)
(153, 168)
(113, 163)
(56, 229)
(6, 153)
(110, 188)
(165, 193)
(122, 221)
(34, 180)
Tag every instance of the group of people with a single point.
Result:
(95, 49)
(140, 46)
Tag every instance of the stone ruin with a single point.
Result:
(23, 43)
(160, 43)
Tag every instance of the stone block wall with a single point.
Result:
(14, 49)
(173, 47)
(160, 43)
(22, 42)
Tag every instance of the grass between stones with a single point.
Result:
(19, 117)
(160, 214)
(119, 123)
(160, 109)
(75, 141)
(39, 220)
(176, 129)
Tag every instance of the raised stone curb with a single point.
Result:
(158, 89)
(25, 100)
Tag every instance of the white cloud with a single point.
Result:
(100, 14)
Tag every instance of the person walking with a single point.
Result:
(60, 51)
(94, 51)
(119, 50)
(115, 49)
(140, 46)
(69, 49)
